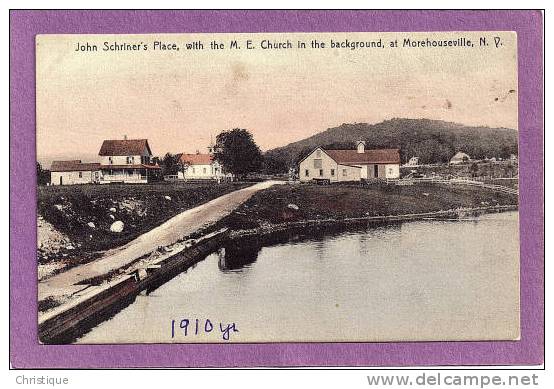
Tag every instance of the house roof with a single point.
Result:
(352, 157)
(196, 159)
(73, 166)
(121, 147)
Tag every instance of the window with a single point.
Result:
(193, 171)
(390, 171)
(344, 172)
(307, 173)
(332, 172)
(318, 153)
(110, 160)
(320, 172)
(317, 164)
(80, 174)
(130, 160)
(204, 170)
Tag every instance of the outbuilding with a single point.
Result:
(460, 157)
(74, 172)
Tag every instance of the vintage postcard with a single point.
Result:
(278, 187)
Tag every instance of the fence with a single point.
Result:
(455, 181)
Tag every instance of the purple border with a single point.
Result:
(25, 352)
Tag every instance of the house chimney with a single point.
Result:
(124, 137)
(360, 146)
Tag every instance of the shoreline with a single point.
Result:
(331, 223)
(71, 319)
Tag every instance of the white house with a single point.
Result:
(350, 165)
(200, 167)
(414, 161)
(74, 172)
(127, 161)
(460, 157)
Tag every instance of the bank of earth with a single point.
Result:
(308, 202)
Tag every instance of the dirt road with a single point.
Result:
(166, 234)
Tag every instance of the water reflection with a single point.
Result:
(422, 280)
(238, 255)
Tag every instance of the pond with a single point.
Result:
(423, 280)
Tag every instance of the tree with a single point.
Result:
(43, 175)
(169, 165)
(302, 154)
(274, 165)
(182, 166)
(237, 153)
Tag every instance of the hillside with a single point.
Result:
(431, 140)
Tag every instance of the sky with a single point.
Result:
(179, 100)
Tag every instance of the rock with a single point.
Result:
(117, 226)
(91, 225)
(293, 206)
(112, 209)
(112, 216)
(70, 247)
(167, 197)
(58, 207)
(425, 194)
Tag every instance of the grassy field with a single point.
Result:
(278, 204)
(84, 213)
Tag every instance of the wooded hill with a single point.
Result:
(433, 141)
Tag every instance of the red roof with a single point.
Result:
(124, 147)
(196, 159)
(352, 157)
(73, 166)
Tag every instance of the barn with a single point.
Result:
(350, 165)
